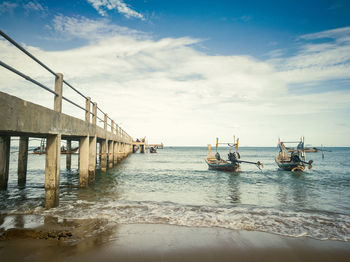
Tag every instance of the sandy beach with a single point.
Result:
(99, 240)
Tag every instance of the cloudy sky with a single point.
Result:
(185, 72)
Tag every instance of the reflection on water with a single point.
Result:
(233, 183)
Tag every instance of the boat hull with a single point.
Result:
(289, 165)
(222, 166)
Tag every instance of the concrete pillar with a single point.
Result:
(110, 154)
(104, 155)
(92, 159)
(84, 161)
(124, 150)
(100, 152)
(115, 152)
(5, 144)
(53, 153)
(52, 168)
(51, 198)
(69, 155)
(22, 160)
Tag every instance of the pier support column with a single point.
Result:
(115, 153)
(100, 153)
(22, 160)
(104, 155)
(69, 155)
(5, 143)
(92, 159)
(52, 169)
(84, 161)
(53, 153)
(110, 154)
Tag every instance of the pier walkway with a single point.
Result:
(25, 119)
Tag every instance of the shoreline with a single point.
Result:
(95, 239)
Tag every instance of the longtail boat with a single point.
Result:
(152, 149)
(42, 149)
(233, 162)
(292, 160)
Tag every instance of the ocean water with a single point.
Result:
(175, 187)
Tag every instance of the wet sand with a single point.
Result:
(100, 240)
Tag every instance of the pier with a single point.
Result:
(143, 146)
(25, 119)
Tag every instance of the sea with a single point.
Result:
(175, 187)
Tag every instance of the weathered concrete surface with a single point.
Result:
(103, 155)
(19, 116)
(5, 143)
(115, 153)
(110, 154)
(84, 161)
(68, 155)
(92, 159)
(22, 160)
(52, 168)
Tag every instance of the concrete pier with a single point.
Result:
(22, 118)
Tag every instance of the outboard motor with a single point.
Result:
(233, 157)
(295, 157)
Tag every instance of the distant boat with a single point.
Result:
(152, 149)
(233, 162)
(306, 149)
(42, 149)
(292, 159)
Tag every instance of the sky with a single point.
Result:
(186, 72)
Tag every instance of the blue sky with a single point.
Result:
(214, 68)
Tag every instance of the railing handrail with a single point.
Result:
(8, 38)
(26, 52)
(27, 77)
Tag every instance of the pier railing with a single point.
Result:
(108, 122)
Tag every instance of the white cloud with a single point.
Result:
(318, 61)
(102, 5)
(82, 27)
(7, 7)
(34, 6)
(170, 92)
